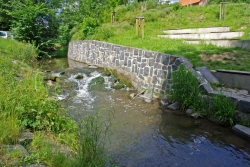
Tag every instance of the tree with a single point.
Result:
(34, 23)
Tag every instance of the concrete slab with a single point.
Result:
(245, 44)
(207, 74)
(242, 130)
(205, 36)
(233, 78)
(197, 30)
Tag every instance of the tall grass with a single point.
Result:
(187, 92)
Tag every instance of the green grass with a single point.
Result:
(26, 103)
(170, 17)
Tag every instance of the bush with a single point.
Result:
(104, 32)
(151, 4)
(153, 15)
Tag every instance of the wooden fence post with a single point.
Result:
(140, 26)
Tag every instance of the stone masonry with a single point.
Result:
(145, 69)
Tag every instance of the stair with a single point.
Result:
(219, 36)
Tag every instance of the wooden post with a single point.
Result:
(223, 10)
(140, 26)
(113, 17)
(137, 27)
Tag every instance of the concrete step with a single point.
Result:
(205, 36)
(197, 30)
(245, 44)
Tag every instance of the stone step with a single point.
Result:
(242, 130)
(197, 30)
(205, 36)
(245, 44)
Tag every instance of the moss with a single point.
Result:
(122, 78)
(118, 86)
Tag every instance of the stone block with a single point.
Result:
(158, 58)
(207, 74)
(242, 130)
(174, 106)
(165, 59)
(154, 80)
(172, 60)
(244, 105)
(155, 71)
(151, 71)
(139, 59)
(151, 62)
(178, 61)
(141, 77)
(206, 87)
(143, 60)
(129, 63)
(164, 67)
(141, 71)
(143, 65)
(146, 71)
(136, 51)
(121, 56)
(117, 62)
(148, 54)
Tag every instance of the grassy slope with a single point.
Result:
(167, 17)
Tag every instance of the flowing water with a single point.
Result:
(144, 135)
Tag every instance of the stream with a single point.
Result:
(143, 134)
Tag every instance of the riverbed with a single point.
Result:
(142, 134)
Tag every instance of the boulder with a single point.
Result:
(79, 76)
(25, 138)
(189, 112)
(174, 106)
(97, 80)
(164, 103)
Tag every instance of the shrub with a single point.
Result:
(153, 15)
(151, 4)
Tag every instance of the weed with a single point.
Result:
(222, 109)
(186, 89)
(92, 141)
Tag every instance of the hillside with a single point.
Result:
(162, 17)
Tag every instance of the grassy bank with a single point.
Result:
(26, 105)
(162, 17)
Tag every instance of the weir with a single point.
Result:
(145, 69)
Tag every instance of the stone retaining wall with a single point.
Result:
(145, 69)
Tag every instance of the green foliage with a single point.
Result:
(222, 109)
(63, 34)
(35, 24)
(186, 90)
(104, 32)
(151, 4)
(153, 15)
